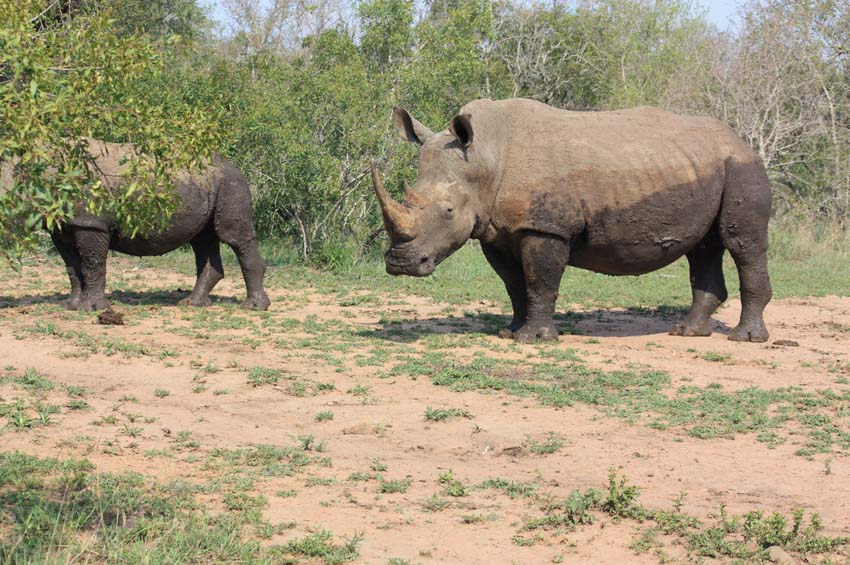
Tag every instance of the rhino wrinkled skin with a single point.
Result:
(214, 206)
(621, 193)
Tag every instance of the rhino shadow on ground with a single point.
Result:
(7, 302)
(592, 323)
(118, 298)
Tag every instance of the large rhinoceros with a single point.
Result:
(214, 206)
(621, 193)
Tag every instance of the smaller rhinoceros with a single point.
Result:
(214, 206)
(621, 193)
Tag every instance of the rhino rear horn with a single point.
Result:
(414, 198)
(398, 219)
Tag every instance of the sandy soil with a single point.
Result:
(742, 474)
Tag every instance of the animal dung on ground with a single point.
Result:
(110, 317)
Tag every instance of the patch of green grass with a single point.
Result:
(87, 343)
(324, 416)
(394, 486)
(452, 486)
(309, 443)
(445, 414)
(478, 518)
(378, 465)
(259, 376)
(435, 504)
(715, 357)
(320, 481)
(514, 489)
(161, 393)
(552, 444)
(645, 396)
(51, 507)
(320, 545)
(32, 380)
(77, 404)
(267, 460)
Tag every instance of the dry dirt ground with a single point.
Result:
(171, 390)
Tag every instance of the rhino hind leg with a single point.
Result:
(544, 258)
(208, 265)
(755, 294)
(744, 215)
(510, 272)
(707, 285)
(92, 246)
(65, 246)
(235, 227)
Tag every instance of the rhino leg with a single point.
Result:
(208, 266)
(92, 246)
(510, 272)
(544, 258)
(235, 227)
(744, 214)
(707, 285)
(65, 246)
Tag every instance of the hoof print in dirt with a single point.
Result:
(110, 317)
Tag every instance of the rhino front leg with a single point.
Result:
(93, 247)
(65, 246)
(544, 258)
(208, 266)
(510, 271)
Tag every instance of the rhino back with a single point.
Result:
(196, 201)
(633, 189)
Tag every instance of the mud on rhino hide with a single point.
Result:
(622, 193)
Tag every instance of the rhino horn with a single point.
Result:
(398, 219)
(413, 198)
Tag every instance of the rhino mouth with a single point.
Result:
(409, 262)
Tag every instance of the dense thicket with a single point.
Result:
(303, 90)
(70, 71)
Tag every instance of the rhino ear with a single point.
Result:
(461, 128)
(409, 128)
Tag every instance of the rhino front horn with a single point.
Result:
(398, 219)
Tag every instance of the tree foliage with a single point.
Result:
(65, 78)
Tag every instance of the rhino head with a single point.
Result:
(443, 209)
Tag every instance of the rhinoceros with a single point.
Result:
(214, 206)
(618, 192)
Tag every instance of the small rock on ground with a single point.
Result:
(778, 555)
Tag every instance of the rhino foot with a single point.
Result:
(530, 334)
(91, 304)
(754, 332)
(506, 333)
(259, 301)
(510, 330)
(691, 330)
